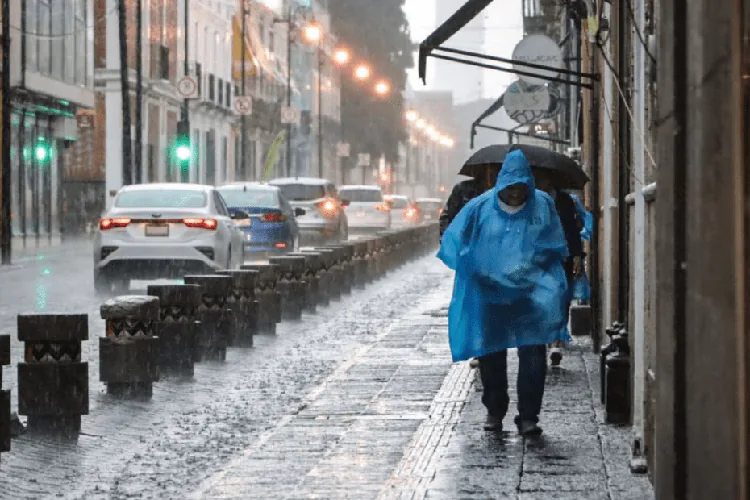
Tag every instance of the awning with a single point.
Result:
(458, 20)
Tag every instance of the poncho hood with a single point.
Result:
(516, 170)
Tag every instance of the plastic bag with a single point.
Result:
(582, 288)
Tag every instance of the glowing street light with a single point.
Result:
(313, 32)
(382, 87)
(411, 115)
(362, 72)
(341, 57)
(421, 123)
(432, 132)
(446, 141)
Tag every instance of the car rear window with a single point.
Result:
(167, 198)
(260, 198)
(361, 195)
(429, 206)
(302, 192)
(398, 203)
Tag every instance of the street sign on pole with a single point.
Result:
(343, 149)
(243, 105)
(363, 160)
(290, 115)
(187, 86)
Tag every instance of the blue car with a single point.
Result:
(271, 226)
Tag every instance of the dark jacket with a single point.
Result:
(566, 209)
(462, 193)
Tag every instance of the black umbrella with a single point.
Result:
(566, 171)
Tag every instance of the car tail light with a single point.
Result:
(383, 207)
(273, 217)
(209, 224)
(410, 213)
(329, 207)
(280, 245)
(107, 223)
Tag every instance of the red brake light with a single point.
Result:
(108, 223)
(274, 217)
(383, 208)
(328, 207)
(209, 224)
(410, 212)
(280, 245)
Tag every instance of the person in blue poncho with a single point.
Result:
(507, 247)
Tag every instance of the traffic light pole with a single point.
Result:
(5, 157)
(185, 104)
(243, 118)
(289, 90)
(320, 106)
(127, 142)
(138, 164)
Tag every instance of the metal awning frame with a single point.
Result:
(477, 125)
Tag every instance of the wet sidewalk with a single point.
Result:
(398, 420)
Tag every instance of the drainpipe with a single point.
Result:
(638, 463)
(608, 202)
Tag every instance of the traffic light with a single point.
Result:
(183, 148)
(42, 150)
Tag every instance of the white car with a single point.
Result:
(430, 208)
(164, 231)
(404, 212)
(324, 219)
(366, 208)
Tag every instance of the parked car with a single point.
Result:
(430, 208)
(271, 227)
(164, 231)
(366, 208)
(403, 211)
(324, 219)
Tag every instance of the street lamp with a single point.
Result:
(341, 57)
(411, 116)
(446, 141)
(421, 123)
(362, 72)
(382, 87)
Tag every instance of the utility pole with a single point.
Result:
(184, 124)
(127, 143)
(320, 105)
(5, 157)
(243, 118)
(138, 92)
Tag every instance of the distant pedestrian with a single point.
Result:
(572, 226)
(507, 247)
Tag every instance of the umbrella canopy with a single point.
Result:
(566, 172)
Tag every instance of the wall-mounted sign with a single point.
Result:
(542, 50)
(527, 104)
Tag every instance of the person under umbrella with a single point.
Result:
(482, 179)
(572, 225)
(507, 247)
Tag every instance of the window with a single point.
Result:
(361, 195)
(219, 204)
(398, 203)
(57, 41)
(249, 197)
(81, 46)
(163, 198)
(32, 44)
(44, 18)
(302, 192)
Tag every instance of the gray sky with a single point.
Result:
(504, 31)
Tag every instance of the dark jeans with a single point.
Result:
(532, 371)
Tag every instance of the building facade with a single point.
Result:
(53, 181)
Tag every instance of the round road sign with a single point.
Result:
(541, 50)
(187, 87)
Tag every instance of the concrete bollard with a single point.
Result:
(129, 353)
(4, 396)
(244, 306)
(344, 254)
(53, 382)
(177, 328)
(269, 298)
(313, 273)
(215, 317)
(292, 285)
(359, 263)
(331, 284)
(324, 262)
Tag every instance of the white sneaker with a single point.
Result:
(474, 362)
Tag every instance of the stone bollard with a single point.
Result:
(359, 263)
(177, 329)
(325, 261)
(129, 353)
(4, 396)
(269, 298)
(292, 285)
(214, 315)
(344, 254)
(331, 284)
(244, 306)
(53, 383)
(313, 274)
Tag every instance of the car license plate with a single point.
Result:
(157, 230)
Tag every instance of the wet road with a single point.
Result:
(167, 447)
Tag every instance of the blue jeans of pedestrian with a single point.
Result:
(532, 370)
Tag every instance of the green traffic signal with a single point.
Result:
(42, 150)
(41, 153)
(183, 153)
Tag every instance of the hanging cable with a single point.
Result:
(638, 31)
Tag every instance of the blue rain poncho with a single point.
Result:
(586, 217)
(510, 288)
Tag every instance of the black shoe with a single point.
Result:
(555, 357)
(528, 428)
(494, 424)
